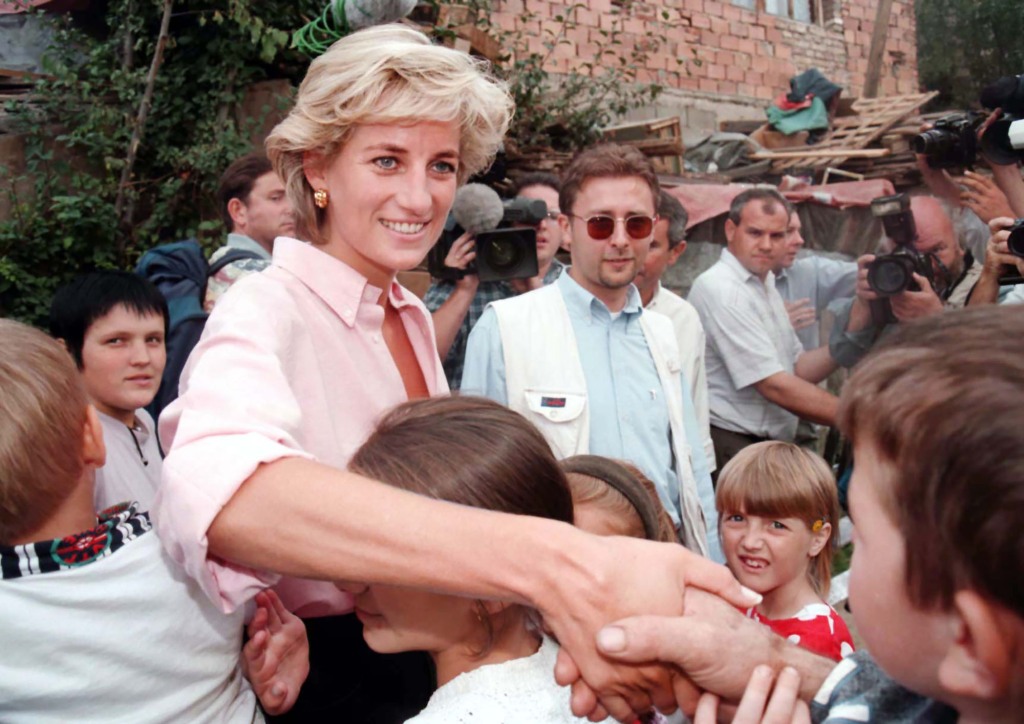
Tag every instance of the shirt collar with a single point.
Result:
(576, 297)
(731, 262)
(343, 288)
(241, 241)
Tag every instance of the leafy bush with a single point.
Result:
(78, 128)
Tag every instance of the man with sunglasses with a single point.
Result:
(585, 363)
(956, 273)
(456, 306)
(760, 379)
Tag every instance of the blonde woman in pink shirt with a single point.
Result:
(298, 362)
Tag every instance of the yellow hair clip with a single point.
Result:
(818, 525)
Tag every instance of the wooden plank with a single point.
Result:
(876, 116)
(878, 38)
(823, 153)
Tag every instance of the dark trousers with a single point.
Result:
(727, 444)
(348, 682)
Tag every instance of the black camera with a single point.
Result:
(507, 252)
(952, 142)
(893, 273)
(890, 274)
(1015, 243)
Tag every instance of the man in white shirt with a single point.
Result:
(760, 379)
(667, 246)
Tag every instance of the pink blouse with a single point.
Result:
(292, 363)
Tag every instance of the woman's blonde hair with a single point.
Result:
(782, 480)
(386, 74)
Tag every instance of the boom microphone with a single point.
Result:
(477, 208)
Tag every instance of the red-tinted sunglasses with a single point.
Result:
(602, 226)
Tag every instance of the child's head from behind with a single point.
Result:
(612, 497)
(114, 324)
(936, 418)
(778, 510)
(43, 412)
(462, 450)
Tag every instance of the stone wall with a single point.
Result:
(735, 60)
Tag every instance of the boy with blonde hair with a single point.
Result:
(937, 499)
(99, 624)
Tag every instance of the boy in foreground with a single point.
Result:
(936, 417)
(99, 624)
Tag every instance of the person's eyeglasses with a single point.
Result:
(552, 216)
(601, 227)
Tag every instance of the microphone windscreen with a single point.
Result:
(477, 208)
(357, 14)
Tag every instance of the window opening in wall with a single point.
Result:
(805, 11)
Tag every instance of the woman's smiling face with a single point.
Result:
(390, 188)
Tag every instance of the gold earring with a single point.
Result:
(320, 198)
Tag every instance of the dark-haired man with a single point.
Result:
(256, 210)
(585, 362)
(667, 246)
(760, 379)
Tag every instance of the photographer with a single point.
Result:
(455, 306)
(1000, 261)
(954, 269)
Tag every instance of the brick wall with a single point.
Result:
(735, 59)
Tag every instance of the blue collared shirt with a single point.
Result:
(821, 280)
(622, 390)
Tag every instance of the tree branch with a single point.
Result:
(140, 122)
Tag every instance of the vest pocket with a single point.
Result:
(559, 417)
(555, 406)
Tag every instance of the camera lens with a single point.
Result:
(1015, 242)
(889, 275)
(503, 254)
(932, 143)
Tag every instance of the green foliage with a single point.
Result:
(79, 123)
(965, 44)
(566, 110)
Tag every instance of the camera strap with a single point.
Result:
(948, 291)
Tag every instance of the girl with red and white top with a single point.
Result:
(776, 505)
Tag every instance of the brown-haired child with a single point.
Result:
(99, 624)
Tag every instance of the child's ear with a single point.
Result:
(819, 538)
(979, 663)
(94, 450)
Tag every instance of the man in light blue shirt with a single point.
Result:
(586, 363)
(809, 284)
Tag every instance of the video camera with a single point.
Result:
(504, 248)
(953, 142)
(893, 273)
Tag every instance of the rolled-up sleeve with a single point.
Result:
(744, 345)
(236, 412)
(484, 371)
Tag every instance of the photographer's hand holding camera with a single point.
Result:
(1004, 262)
(929, 272)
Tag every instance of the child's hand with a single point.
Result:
(276, 657)
(762, 703)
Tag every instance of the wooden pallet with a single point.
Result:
(875, 117)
